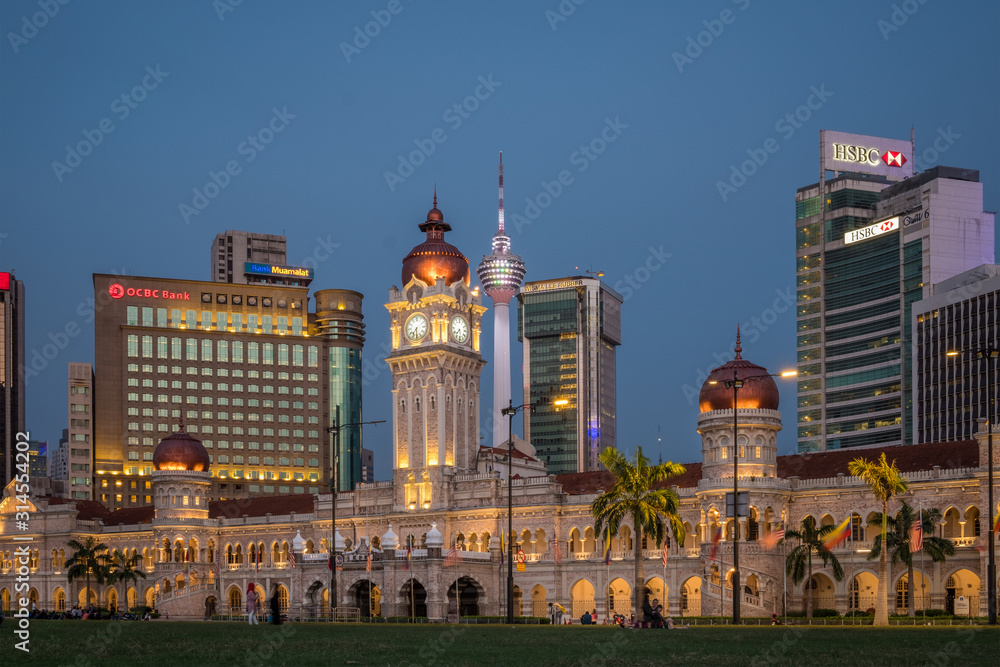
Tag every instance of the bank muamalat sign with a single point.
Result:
(117, 291)
(890, 225)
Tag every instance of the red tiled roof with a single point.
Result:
(909, 458)
(130, 515)
(86, 510)
(301, 503)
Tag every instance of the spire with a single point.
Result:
(500, 230)
(435, 195)
(738, 347)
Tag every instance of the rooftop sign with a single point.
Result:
(254, 269)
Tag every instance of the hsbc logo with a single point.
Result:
(866, 233)
(894, 158)
(869, 156)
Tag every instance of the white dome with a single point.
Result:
(435, 540)
(298, 543)
(390, 540)
(338, 541)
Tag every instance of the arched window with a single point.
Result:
(235, 599)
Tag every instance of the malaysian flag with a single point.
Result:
(503, 549)
(409, 554)
(715, 543)
(451, 558)
(291, 560)
(607, 551)
(218, 565)
(771, 539)
(556, 553)
(663, 559)
(256, 560)
(368, 560)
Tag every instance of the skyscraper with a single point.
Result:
(501, 273)
(80, 434)
(569, 328)
(870, 240)
(11, 370)
(246, 258)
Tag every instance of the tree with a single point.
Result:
(633, 498)
(124, 568)
(799, 564)
(885, 482)
(898, 542)
(89, 558)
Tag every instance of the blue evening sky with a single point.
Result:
(551, 78)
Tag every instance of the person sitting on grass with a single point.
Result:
(671, 626)
(586, 619)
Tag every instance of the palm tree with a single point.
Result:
(799, 563)
(885, 482)
(88, 558)
(124, 568)
(633, 498)
(898, 542)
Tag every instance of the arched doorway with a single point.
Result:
(415, 604)
(656, 590)
(863, 592)
(921, 593)
(83, 597)
(539, 608)
(319, 599)
(468, 597)
(59, 599)
(582, 597)
(963, 583)
(822, 592)
(367, 598)
(4, 600)
(691, 597)
(619, 597)
(235, 600)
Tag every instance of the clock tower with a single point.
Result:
(435, 321)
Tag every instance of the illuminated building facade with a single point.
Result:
(247, 369)
(79, 452)
(501, 274)
(570, 328)
(870, 240)
(12, 363)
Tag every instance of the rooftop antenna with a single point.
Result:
(596, 274)
(501, 231)
(659, 442)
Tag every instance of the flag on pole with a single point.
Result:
(556, 553)
(503, 549)
(451, 558)
(607, 551)
(409, 553)
(291, 560)
(218, 565)
(715, 543)
(996, 524)
(916, 537)
(368, 560)
(837, 535)
(771, 539)
(664, 558)
(256, 560)
(329, 562)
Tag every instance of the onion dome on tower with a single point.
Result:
(757, 394)
(435, 258)
(179, 451)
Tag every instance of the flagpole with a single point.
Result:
(784, 582)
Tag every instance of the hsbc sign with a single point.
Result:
(890, 225)
(865, 155)
(889, 158)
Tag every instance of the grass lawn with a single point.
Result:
(167, 643)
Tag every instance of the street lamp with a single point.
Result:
(990, 354)
(736, 384)
(335, 432)
(509, 412)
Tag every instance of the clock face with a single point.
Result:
(459, 329)
(416, 328)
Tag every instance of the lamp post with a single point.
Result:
(335, 445)
(509, 412)
(736, 384)
(990, 354)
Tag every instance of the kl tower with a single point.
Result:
(501, 273)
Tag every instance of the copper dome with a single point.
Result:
(179, 451)
(435, 258)
(755, 394)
